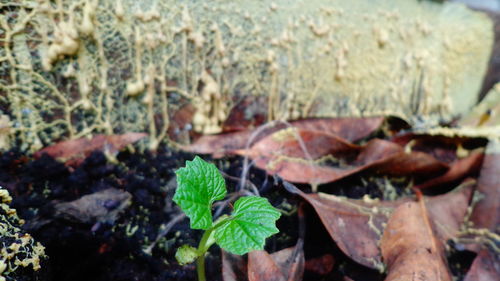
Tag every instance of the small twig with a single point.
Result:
(254, 188)
(302, 221)
(250, 142)
(252, 138)
(165, 231)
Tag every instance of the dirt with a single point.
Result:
(114, 249)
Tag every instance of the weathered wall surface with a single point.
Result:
(72, 68)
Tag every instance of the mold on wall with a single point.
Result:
(72, 68)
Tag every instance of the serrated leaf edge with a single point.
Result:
(183, 179)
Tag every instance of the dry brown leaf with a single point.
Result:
(486, 267)
(410, 247)
(234, 267)
(299, 143)
(73, 152)
(486, 213)
(459, 170)
(223, 144)
(261, 266)
(357, 225)
(298, 156)
(251, 112)
(447, 149)
(320, 265)
(350, 129)
(248, 113)
(449, 210)
(180, 124)
(284, 265)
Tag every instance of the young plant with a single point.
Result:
(253, 218)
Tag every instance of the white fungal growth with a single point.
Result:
(211, 108)
(65, 43)
(119, 11)
(303, 59)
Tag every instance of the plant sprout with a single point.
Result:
(253, 219)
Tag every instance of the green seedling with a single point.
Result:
(253, 219)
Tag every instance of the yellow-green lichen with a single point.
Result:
(72, 68)
(17, 248)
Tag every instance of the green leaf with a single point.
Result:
(253, 220)
(199, 184)
(186, 254)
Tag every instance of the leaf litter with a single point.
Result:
(315, 157)
(484, 230)
(356, 225)
(350, 129)
(74, 152)
(410, 247)
(310, 153)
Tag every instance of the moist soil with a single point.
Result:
(114, 249)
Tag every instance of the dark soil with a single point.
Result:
(114, 250)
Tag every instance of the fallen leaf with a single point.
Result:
(289, 143)
(410, 247)
(101, 206)
(248, 113)
(357, 225)
(486, 213)
(445, 148)
(73, 152)
(234, 267)
(316, 157)
(223, 144)
(180, 124)
(261, 266)
(486, 267)
(449, 210)
(284, 265)
(350, 129)
(291, 261)
(458, 171)
(320, 265)
(486, 216)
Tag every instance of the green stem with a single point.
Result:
(202, 249)
(200, 267)
(205, 243)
